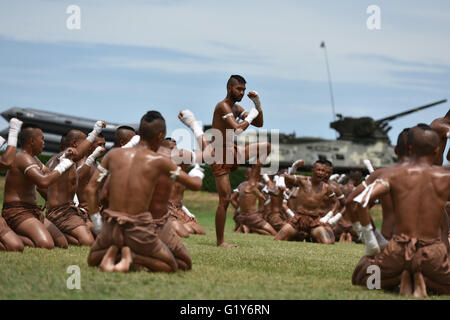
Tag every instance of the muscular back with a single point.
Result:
(419, 199)
(134, 173)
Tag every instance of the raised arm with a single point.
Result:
(85, 145)
(7, 158)
(33, 171)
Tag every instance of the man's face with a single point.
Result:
(237, 91)
(320, 171)
(172, 144)
(98, 142)
(38, 142)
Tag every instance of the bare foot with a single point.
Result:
(227, 245)
(124, 264)
(109, 258)
(349, 238)
(420, 288)
(245, 228)
(343, 238)
(405, 284)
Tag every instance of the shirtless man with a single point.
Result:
(177, 207)
(314, 192)
(20, 209)
(249, 194)
(86, 168)
(275, 216)
(122, 135)
(128, 225)
(442, 127)
(226, 116)
(343, 229)
(415, 256)
(61, 210)
(360, 214)
(9, 240)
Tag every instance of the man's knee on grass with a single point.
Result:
(286, 233)
(321, 235)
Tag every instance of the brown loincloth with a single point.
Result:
(4, 228)
(275, 219)
(67, 217)
(137, 232)
(254, 220)
(17, 212)
(305, 223)
(177, 213)
(166, 233)
(83, 206)
(429, 257)
(220, 169)
(343, 226)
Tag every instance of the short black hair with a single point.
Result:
(126, 128)
(152, 123)
(170, 139)
(236, 77)
(27, 132)
(402, 143)
(63, 143)
(423, 139)
(325, 162)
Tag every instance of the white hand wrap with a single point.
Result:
(98, 126)
(281, 183)
(334, 177)
(75, 200)
(372, 247)
(251, 115)
(2, 141)
(97, 222)
(14, 129)
(326, 217)
(133, 141)
(256, 101)
(188, 118)
(335, 219)
(197, 171)
(267, 201)
(265, 189)
(341, 178)
(290, 212)
(63, 165)
(448, 134)
(94, 155)
(103, 173)
(368, 165)
(294, 167)
(265, 177)
(186, 210)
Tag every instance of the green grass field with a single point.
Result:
(260, 268)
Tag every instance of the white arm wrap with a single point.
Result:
(30, 167)
(14, 128)
(289, 212)
(97, 222)
(251, 115)
(368, 165)
(175, 174)
(133, 141)
(94, 155)
(186, 210)
(63, 165)
(227, 115)
(265, 177)
(197, 171)
(98, 126)
(103, 173)
(326, 217)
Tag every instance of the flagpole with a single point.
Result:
(322, 45)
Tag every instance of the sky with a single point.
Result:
(132, 56)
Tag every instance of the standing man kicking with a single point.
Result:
(226, 115)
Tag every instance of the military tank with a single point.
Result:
(359, 139)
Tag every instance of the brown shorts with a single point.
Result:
(123, 230)
(166, 233)
(305, 223)
(404, 253)
(344, 227)
(67, 217)
(176, 212)
(4, 228)
(254, 220)
(17, 212)
(220, 169)
(275, 219)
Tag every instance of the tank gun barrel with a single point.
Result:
(401, 114)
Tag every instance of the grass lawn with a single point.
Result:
(260, 268)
